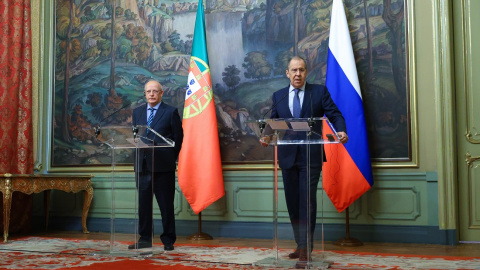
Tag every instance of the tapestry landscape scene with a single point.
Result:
(100, 70)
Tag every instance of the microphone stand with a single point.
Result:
(311, 122)
(135, 131)
(97, 131)
(261, 125)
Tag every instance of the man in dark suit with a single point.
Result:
(156, 169)
(303, 100)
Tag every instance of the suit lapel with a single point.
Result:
(284, 103)
(306, 101)
(142, 117)
(158, 114)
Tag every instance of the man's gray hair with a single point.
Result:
(296, 57)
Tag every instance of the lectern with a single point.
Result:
(121, 141)
(310, 134)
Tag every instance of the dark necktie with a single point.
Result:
(296, 104)
(150, 117)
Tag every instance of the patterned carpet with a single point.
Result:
(56, 253)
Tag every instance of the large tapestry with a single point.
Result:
(106, 50)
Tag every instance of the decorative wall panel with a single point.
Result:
(394, 203)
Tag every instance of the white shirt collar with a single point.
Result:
(155, 107)
(293, 88)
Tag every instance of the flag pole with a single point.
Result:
(199, 235)
(347, 241)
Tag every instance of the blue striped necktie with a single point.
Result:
(296, 105)
(150, 117)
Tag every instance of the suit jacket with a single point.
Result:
(317, 102)
(167, 123)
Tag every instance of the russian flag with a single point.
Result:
(347, 174)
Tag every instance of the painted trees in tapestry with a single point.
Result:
(106, 50)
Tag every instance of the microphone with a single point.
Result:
(261, 124)
(97, 128)
(135, 131)
(311, 122)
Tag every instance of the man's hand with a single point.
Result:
(342, 136)
(264, 141)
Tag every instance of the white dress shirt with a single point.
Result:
(291, 95)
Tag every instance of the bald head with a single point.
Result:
(153, 92)
(153, 83)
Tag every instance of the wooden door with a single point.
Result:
(467, 86)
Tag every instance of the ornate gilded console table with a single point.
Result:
(32, 183)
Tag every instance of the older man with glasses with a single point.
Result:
(156, 169)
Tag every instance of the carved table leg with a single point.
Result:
(7, 203)
(86, 206)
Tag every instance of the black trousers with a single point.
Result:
(162, 185)
(296, 191)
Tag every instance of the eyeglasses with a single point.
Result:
(152, 91)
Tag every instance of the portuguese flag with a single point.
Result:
(199, 165)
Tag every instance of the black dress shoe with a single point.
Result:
(301, 265)
(295, 254)
(168, 247)
(140, 244)
(303, 259)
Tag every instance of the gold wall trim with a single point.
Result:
(445, 108)
(36, 20)
(470, 160)
(44, 84)
(412, 84)
(473, 219)
(471, 133)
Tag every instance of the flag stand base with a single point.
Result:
(347, 241)
(200, 235)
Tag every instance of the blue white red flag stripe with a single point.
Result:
(341, 181)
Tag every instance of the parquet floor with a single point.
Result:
(461, 250)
